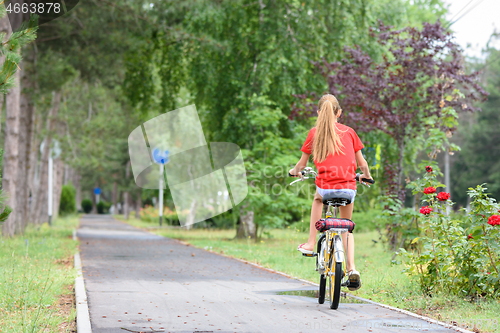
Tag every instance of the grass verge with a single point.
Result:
(382, 281)
(37, 279)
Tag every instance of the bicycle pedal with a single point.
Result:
(310, 255)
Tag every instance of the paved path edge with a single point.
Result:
(82, 307)
(430, 320)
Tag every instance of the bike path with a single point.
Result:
(140, 282)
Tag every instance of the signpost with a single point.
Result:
(97, 192)
(54, 153)
(160, 157)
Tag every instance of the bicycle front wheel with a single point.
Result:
(335, 282)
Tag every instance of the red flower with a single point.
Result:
(443, 196)
(426, 210)
(481, 215)
(494, 219)
(429, 190)
(488, 273)
(470, 236)
(428, 168)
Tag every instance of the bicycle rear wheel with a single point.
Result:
(322, 289)
(335, 281)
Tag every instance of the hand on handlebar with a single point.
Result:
(301, 174)
(365, 180)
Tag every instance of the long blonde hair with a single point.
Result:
(326, 139)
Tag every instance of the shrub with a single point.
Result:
(103, 207)
(86, 206)
(150, 214)
(456, 254)
(67, 204)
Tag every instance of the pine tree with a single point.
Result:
(10, 56)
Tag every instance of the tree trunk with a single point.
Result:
(58, 183)
(5, 28)
(78, 194)
(33, 176)
(138, 205)
(94, 200)
(11, 156)
(114, 199)
(246, 227)
(401, 186)
(25, 141)
(126, 194)
(41, 200)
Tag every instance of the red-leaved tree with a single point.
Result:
(415, 77)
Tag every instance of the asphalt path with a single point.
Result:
(140, 282)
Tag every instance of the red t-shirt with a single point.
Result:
(337, 171)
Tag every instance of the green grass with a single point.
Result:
(36, 271)
(382, 281)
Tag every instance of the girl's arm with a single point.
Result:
(301, 164)
(363, 166)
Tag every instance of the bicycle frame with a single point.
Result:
(333, 241)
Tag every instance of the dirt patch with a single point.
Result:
(66, 306)
(67, 262)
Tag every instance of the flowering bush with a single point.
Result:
(457, 255)
(443, 196)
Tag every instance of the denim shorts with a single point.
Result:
(322, 192)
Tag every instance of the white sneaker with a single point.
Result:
(354, 280)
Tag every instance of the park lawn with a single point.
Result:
(382, 281)
(37, 279)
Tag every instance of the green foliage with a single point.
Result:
(456, 255)
(479, 161)
(86, 206)
(68, 203)
(103, 207)
(11, 49)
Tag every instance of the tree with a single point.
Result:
(225, 53)
(420, 75)
(10, 49)
(478, 162)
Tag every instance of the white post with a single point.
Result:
(160, 199)
(50, 186)
(97, 198)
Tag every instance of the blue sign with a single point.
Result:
(97, 191)
(160, 157)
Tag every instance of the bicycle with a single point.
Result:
(330, 258)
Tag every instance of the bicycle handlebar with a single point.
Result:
(308, 172)
(366, 180)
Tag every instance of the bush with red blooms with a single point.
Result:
(494, 220)
(426, 210)
(428, 168)
(454, 253)
(443, 196)
(429, 190)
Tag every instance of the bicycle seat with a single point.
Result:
(336, 199)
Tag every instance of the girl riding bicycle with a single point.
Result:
(335, 148)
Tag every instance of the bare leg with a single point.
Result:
(317, 207)
(346, 213)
